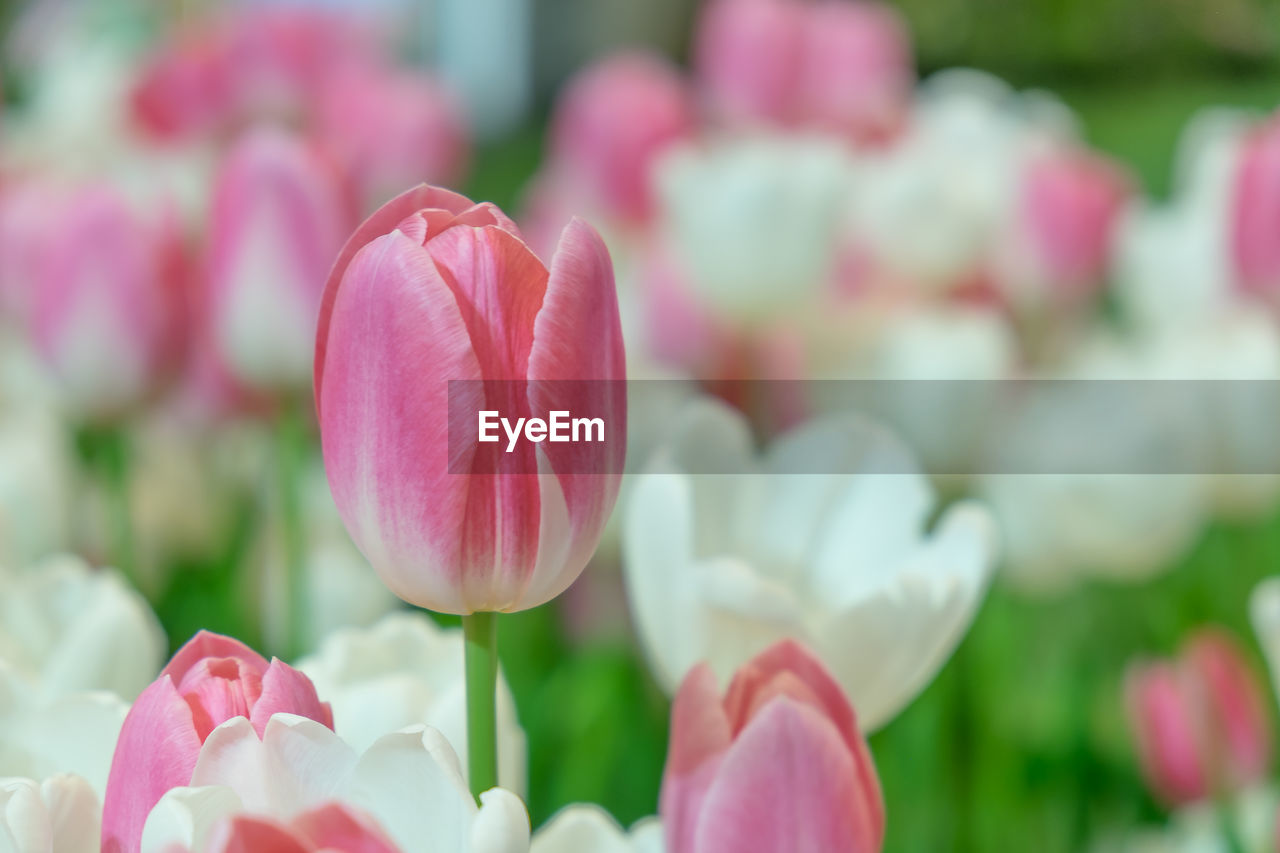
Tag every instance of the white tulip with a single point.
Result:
(36, 486)
(587, 828)
(62, 814)
(408, 782)
(42, 735)
(721, 566)
(70, 628)
(406, 670)
(756, 221)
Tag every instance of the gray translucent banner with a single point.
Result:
(954, 427)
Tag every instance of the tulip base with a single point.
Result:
(480, 631)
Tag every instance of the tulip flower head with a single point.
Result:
(1200, 721)
(279, 214)
(1255, 211)
(210, 680)
(434, 288)
(106, 314)
(777, 765)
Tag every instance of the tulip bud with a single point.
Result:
(434, 288)
(1071, 202)
(1200, 721)
(835, 66)
(392, 130)
(107, 310)
(778, 764)
(210, 680)
(613, 121)
(329, 827)
(279, 216)
(1255, 211)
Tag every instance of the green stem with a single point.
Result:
(115, 462)
(481, 632)
(289, 438)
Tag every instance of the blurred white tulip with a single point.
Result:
(404, 671)
(409, 783)
(37, 485)
(62, 814)
(755, 221)
(42, 735)
(721, 565)
(587, 828)
(1264, 613)
(69, 628)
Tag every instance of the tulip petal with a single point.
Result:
(286, 690)
(207, 644)
(787, 783)
(577, 365)
(381, 223)
(501, 825)
(700, 737)
(384, 429)
(185, 817)
(156, 751)
(335, 827)
(248, 834)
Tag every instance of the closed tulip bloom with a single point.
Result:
(1071, 204)
(210, 680)
(777, 765)
(106, 314)
(611, 125)
(835, 66)
(279, 218)
(1255, 211)
(435, 288)
(1200, 721)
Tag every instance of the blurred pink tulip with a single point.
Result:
(1071, 201)
(435, 288)
(107, 314)
(1255, 212)
(280, 214)
(210, 680)
(329, 827)
(613, 121)
(1200, 721)
(392, 129)
(777, 765)
(185, 89)
(832, 65)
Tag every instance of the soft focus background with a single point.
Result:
(1022, 739)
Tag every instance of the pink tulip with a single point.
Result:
(329, 827)
(279, 218)
(185, 89)
(777, 765)
(857, 73)
(1255, 211)
(210, 680)
(832, 65)
(1200, 721)
(435, 288)
(1071, 201)
(610, 126)
(107, 308)
(392, 129)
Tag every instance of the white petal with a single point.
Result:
(184, 817)
(502, 825)
(581, 828)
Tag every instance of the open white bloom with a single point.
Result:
(62, 814)
(755, 221)
(587, 828)
(408, 782)
(720, 566)
(43, 735)
(403, 671)
(69, 628)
